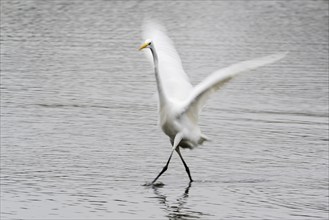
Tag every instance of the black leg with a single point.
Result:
(164, 168)
(186, 167)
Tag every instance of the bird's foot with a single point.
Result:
(156, 184)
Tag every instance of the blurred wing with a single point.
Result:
(212, 83)
(175, 82)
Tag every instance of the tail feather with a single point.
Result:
(203, 139)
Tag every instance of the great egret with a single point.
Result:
(179, 102)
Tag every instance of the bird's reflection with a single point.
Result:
(178, 210)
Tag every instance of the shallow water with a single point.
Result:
(79, 134)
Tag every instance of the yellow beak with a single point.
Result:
(143, 46)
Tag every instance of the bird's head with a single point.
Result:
(146, 44)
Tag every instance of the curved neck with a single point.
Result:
(157, 76)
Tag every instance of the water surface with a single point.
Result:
(79, 134)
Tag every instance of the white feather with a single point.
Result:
(173, 78)
(216, 80)
(180, 103)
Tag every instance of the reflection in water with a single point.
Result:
(178, 209)
(78, 126)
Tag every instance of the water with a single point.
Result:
(79, 134)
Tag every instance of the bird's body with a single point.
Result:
(179, 102)
(173, 121)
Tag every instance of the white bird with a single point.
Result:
(179, 102)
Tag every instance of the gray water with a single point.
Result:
(79, 134)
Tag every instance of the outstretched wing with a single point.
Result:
(212, 83)
(174, 80)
